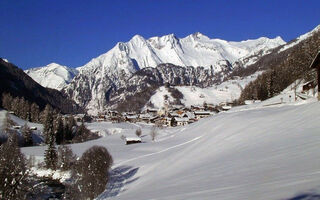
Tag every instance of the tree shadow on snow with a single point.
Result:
(312, 195)
(119, 177)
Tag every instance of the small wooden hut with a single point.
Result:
(316, 65)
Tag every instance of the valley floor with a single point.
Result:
(269, 152)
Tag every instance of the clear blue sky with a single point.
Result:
(37, 32)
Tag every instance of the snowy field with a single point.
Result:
(250, 152)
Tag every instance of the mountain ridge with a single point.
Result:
(98, 80)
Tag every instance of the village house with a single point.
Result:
(101, 118)
(168, 121)
(145, 117)
(190, 115)
(112, 113)
(316, 65)
(181, 121)
(202, 114)
(225, 108)
(152, 111)
(131, 118)
(132, 140)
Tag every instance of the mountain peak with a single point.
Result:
(53, 75)
(5, 60)
(137, 37)
(54, 65)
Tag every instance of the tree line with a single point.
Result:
(21, 107)
(64, 129)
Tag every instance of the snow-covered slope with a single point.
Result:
(263, 153)
(36, 134)
(52, 76)
(192, 95)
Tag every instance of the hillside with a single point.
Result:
(252, 153)
(284, 65)
(18, 84)
(227, 91)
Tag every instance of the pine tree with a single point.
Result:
(6, 101)
(15, 105)
(13, 171)
(27, 135)
(70, 123)
(7, 124)
(51, 156)
(59, 130)
(48, 127)
(34, 112)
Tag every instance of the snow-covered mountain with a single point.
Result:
(53, 75)
(97, 79)
(194, 50)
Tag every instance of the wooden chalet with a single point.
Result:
(316, 65)
(132, 140)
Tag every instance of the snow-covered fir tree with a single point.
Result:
(13, 171)
(51, 156)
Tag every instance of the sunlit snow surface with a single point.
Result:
(259, 151)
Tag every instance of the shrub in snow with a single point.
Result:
(138, 132)
(123, 137)
(90, 174)
(13, 171)
(83, 134)
(153, 133)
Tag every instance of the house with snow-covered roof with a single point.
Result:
(181, 121)
(132, 140)
(131, 118)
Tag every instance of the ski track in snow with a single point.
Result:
(164, 150)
